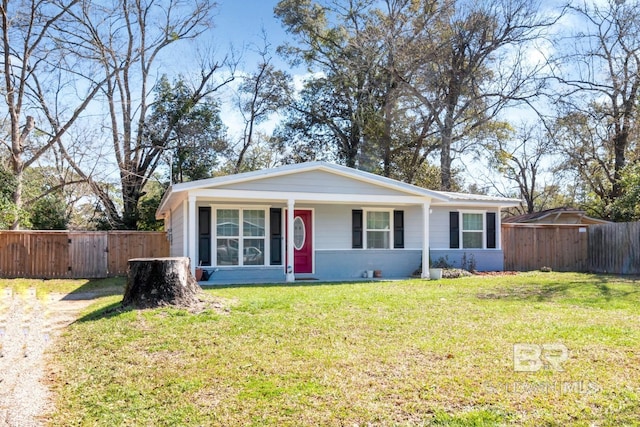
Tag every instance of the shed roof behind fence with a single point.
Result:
(564, 215)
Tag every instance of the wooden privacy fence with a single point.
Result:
(75, 254)
(615, 248)
(562, 247)
(600, 248)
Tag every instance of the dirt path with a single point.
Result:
(28, 325)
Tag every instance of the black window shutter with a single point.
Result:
(275, 227)
(356, 228)
(398, 229)
(204, 236)
(491, 230)
(454, 230)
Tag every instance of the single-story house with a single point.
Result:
(563, 215)
(327, 222)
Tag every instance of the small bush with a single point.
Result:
(442, 262)
(468, 262)
(454, 273)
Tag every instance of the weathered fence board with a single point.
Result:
(14, 254)
(88, 254)
(615, 248)
(124, 246)
(75, 254)
(562, 247)
(49, 253)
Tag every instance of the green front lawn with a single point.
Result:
(389, 353)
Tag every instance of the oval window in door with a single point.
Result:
(299, 233)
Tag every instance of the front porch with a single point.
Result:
(330, 266)
(349, 266)
(326, 237)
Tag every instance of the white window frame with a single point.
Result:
(241, 238)
(365, 229)
(483, 231)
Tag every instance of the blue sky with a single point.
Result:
(240, 23)
(236, 23)
(241, 19)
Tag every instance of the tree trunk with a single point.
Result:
(18, 144)
(17, 194)
(445, 161)
(446, 139)
(158, 282)
(619, 148)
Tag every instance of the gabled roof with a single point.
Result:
(304, 167)
(555, 216)
(355, 174)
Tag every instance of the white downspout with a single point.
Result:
(425, 240)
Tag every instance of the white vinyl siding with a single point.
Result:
(176, 221)
(333, 226)
(412, 226)
(314, 182)
(439, 227)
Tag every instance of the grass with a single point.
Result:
(387, 353)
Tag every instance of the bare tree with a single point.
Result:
(473, 64)
(37, 80)
(339, 104)
(524, 160)
(355, 106)
(401, 129)
(600, 99)
(403, 79)
(125, 41)
(260, 94)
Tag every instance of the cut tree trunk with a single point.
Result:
(158, 282)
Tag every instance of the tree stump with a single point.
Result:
(158, 282)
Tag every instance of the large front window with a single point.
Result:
(236, 245)
(472, 230)
(378, 229)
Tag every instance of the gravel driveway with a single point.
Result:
(28, 325)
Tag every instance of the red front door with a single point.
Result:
(302, 243)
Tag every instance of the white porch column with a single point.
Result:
(291, 276)
(192, 236)
(426, 207)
